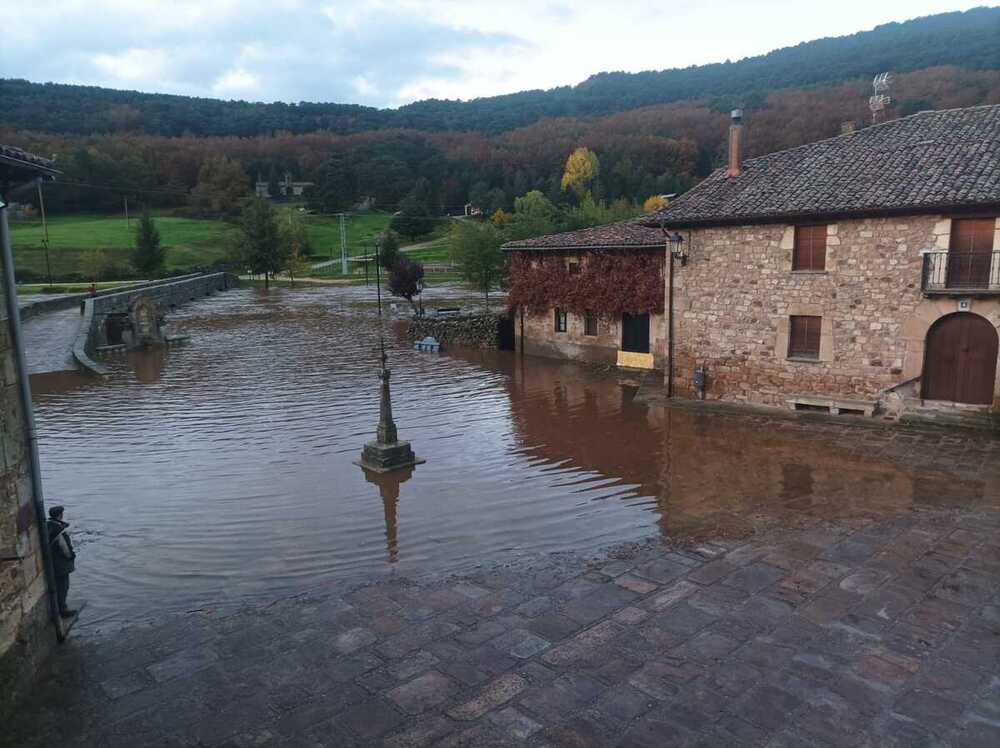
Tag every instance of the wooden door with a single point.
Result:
(970, 252)
(635, 333)
(960, 362)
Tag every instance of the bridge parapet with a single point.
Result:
(93, 331)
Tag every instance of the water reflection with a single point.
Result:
(388, 488)
(223, 469)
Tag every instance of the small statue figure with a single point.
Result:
(63, 557)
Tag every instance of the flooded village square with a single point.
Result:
(411, 379)
(577, 562)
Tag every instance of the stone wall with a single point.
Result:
(736, 294)
(166, 294)
(26, 632)
(541, 339)
(474, 330)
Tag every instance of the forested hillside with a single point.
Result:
(657, 149)
(969, 40)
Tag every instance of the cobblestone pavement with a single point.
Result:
(846, 633)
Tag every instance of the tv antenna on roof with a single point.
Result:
(880, 99)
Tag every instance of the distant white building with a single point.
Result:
(286, 187)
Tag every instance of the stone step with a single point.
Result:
(970, 419)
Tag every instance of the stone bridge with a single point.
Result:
(62, 333)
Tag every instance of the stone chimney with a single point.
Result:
(736, 144)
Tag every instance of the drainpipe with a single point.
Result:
(24, 389)
(521, 315)
(670, 320)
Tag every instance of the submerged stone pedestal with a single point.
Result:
(381, 458)
(386, 453)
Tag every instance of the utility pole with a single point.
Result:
(45, 232)
(343, 244)
(378, 280)
(128, 224)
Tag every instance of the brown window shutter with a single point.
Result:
(810, 248)
(804, 334)
(972, 234)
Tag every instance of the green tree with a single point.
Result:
(534, 215)
(413, 219)
(262, 249)
(475, 250)
(149, 255)
(222, 185)
(388, 249)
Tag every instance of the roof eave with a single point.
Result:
(23, 168)
(796, 216)
(577, 247)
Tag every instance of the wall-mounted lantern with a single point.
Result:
(676, 244)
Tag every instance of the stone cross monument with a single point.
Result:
(386, 453)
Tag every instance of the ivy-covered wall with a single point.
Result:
(608, 283)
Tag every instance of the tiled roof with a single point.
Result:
(928, 161)
(20, 159)
(624, 235)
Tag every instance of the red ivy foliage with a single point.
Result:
(608, 283)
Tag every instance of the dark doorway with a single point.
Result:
(635, 333)
(114, 325)
(960, 363)
(505, 334)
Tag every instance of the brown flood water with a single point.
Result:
(222, 471)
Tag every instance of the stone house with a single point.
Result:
(30, 624)
(586, 323)
(857, 273)
(286, 187)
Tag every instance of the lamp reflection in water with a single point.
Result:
(388, 487)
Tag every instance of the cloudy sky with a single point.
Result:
(390, 52)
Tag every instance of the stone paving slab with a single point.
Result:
(882, 632)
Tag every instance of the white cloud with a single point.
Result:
(238, 82)
(133, 65)
(388, 52)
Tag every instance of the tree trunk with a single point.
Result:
(267, 280)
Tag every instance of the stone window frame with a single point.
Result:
(801, 328)
(787, 244)
(783, 333)
(942, 240)
(590, 324)
(799, 248)
(560, 320)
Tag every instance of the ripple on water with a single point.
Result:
(223, 469)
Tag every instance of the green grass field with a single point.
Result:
(73, 240)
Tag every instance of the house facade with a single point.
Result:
(286, 187)
(856, 273)
(859, 273)
(595, 295)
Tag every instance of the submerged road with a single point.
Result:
(48, 340)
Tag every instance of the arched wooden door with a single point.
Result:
(960, 363)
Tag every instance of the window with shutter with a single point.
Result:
(804, 336)
(970, 252)
(560, 320)
(589, 323)
(810, 248)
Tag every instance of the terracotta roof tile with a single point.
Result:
(927, 161)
